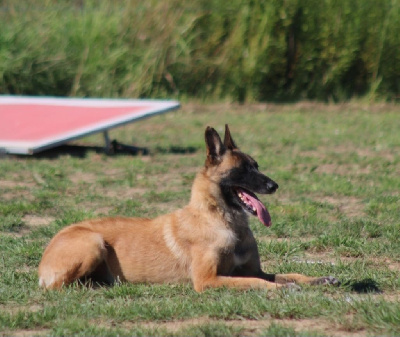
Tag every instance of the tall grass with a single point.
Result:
(211, 49)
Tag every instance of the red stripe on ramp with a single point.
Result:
(34, 122)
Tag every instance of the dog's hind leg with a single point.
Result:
(73, 253)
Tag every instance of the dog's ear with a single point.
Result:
(215, 148)
(228, 141)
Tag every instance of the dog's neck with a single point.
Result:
(207, 196)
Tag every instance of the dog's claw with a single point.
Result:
(326, 280)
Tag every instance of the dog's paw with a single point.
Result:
(326, 280)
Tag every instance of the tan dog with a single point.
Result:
(208, 242)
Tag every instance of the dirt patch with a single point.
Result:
(89, 177)
(103, 211)
(254, 327)
(249, 327)
(29, 222)
(14, 184)
(319, 326)
(79, 177)
(321, 151)
(389, 263)
(342, 169)
(124, 192)
(17, 189)
(394, 298)
(350, 206)
(371, 153)
(14, 309)
(37, 221)
(27, 333)
(394, 266)
(114, 172)
(17, 194)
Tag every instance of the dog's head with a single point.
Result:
(237, 175)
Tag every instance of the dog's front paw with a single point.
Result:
(326, 280)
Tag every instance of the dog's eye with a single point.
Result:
(250, 167)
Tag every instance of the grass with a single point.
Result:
(336, 213)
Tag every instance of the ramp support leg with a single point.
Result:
(112, 147)
(108, 149)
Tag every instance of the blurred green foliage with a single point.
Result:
(256, 50)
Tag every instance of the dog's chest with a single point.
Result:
(234, 257)
(240, 256)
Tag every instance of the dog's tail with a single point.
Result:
(73, 253)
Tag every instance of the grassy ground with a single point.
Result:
(336, 213)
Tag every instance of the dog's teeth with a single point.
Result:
(254, 209)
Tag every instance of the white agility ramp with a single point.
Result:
(32, 124)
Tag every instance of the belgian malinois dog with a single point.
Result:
(208, 242)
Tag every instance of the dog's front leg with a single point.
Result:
(234, 282)
(204, 275)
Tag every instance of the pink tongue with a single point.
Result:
(262, 212)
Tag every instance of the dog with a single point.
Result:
(208, 242)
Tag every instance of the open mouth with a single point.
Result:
(253, 205)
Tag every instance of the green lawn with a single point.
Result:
(337, 212)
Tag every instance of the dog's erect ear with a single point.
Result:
(215, 148)
(228, 141)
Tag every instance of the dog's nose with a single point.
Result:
(272, 186)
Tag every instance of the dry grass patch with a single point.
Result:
(342, 169)
(36, 220)
(253, 327)
(28, 333)
(83, 177)
(11, 184)
(349, 206)
(123, 192)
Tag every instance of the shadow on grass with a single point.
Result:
(176, 149)
(80, 151)
(364, 286)
(116, 148)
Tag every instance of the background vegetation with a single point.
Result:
(210, 49)
(336, 213)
